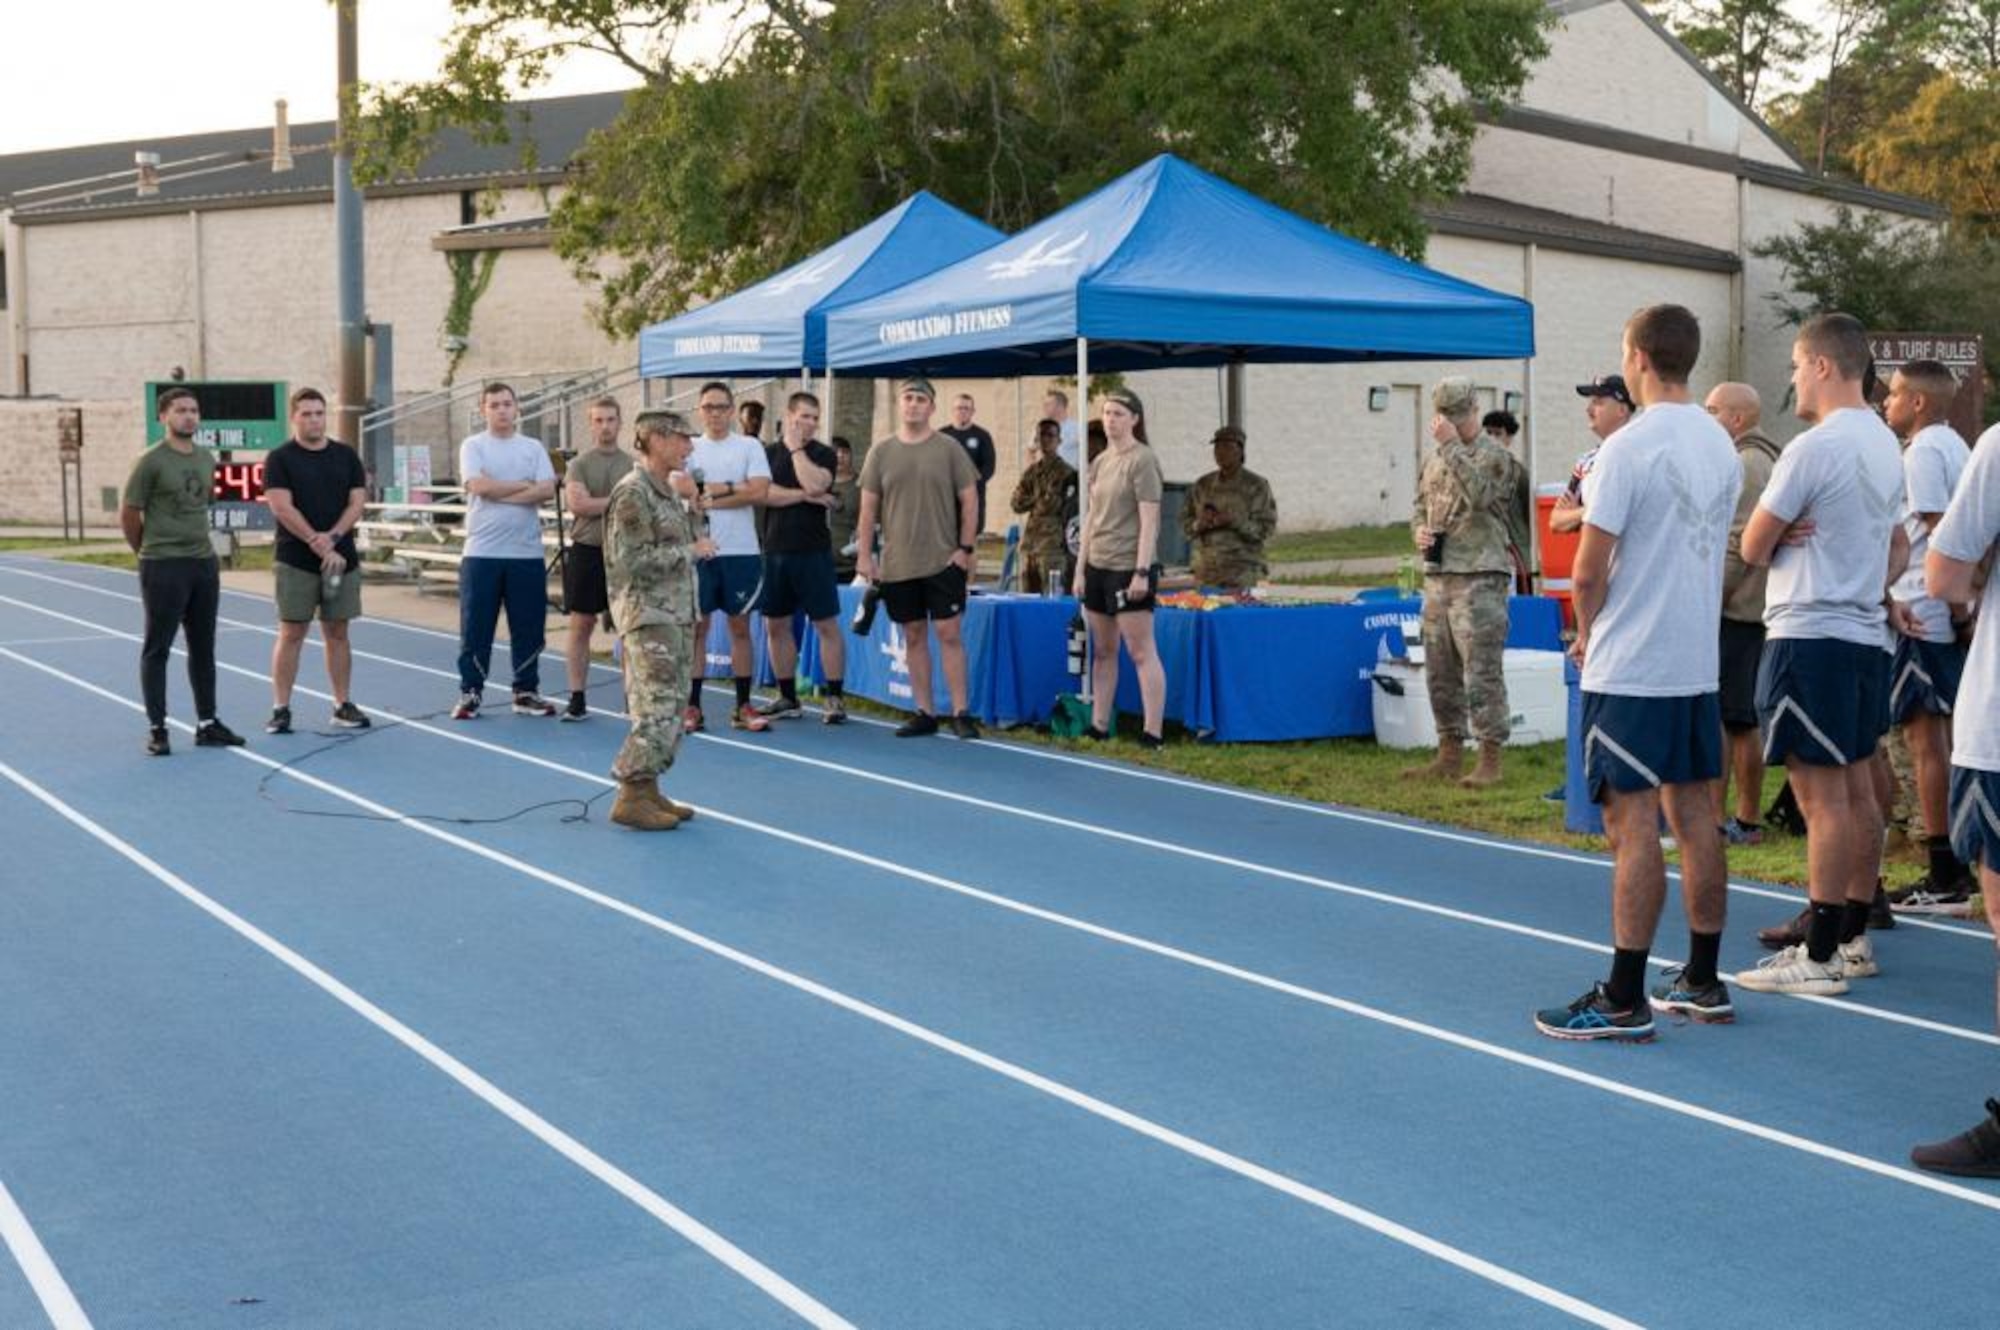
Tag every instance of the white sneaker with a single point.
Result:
(1793, 971)
(1857, 958)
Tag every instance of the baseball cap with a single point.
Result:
(1228, 433)
(1612, 386)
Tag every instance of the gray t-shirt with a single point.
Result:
(496, 530)
(597, 470)
(1969, 529)
(918, 486)
(1665, 485)
(731, 461)
(1846, 474)
(1932, 465)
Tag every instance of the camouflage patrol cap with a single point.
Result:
(1455, 398)
(662, 423)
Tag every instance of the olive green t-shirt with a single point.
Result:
(918, 485)
(598, 469)
(173, 490)
(1119, 483)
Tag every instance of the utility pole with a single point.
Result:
(350, 320)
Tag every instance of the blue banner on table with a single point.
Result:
(1014, 657)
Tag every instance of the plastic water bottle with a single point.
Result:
(1076, 644)
(1406, 576)
(329, 582)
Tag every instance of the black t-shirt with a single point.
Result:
(978, 445)
(801, 527)
(319, 482)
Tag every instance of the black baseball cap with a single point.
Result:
(1612, 386)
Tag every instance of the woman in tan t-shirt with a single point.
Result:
(1117, 574)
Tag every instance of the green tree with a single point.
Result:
(1968, 35)
(1740, 40)
(1945, 146)
(818, 115)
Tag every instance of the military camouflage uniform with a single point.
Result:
(1231, 556)
(1041, 493)
(1465, 596)
(649, 538)
(1515, 506)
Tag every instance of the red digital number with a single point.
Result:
(239, 482)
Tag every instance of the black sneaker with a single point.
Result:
(1789, 934)
(1096, 735)
(578, 709)
(467, 708)
(533, 704)
(1595, 1016)
(1926, 896)
(156, 742)
(781, 708)
(1151, 740)
(1970, 1154)
(917, 726)
(1708, 1002)
(964, 726)
(350, 717)
(1880, 916)
(280, 722)
(214, 734)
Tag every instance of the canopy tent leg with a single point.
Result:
(1083, 491)
(1236, 393)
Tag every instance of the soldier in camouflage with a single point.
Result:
(1463, 540)
(653, 537)
(1041, 494)
(1227, 518)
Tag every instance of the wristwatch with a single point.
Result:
(968, 549)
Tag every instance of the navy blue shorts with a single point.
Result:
(1822, 700)
(730, 583)
(795, 582)
(1642, 743)
(1924, 678)
(1975, 816)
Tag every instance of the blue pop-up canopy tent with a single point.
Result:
(777, 326)
(1171, 266)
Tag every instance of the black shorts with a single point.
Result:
(1104, 591)
(939, 596)
(795, 582)
(1742, 649)
(584, 589)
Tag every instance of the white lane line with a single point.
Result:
(687, 1226)
(1196, 960)
(1103, 1109)
(57, 641)
(1661, 961)
(58, 1303)
(1111, 768)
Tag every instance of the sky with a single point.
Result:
(95, 71)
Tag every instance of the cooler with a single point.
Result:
(1536, 709)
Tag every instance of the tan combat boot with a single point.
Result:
(681, 812)
(1488, 770)
(640, 807)
(1450, 760)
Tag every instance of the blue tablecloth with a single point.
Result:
(1243, 673)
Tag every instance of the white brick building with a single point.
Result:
(1625, 176)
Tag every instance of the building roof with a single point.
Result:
(232, 168)
(1483, 217)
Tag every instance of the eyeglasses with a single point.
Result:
(715, 406)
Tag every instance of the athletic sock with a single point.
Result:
(742, 690)
(1628, 977)
(694, 692)
(1823, 932)
(1703, 951)
(833, 688)
(789, 690)
(1853, 920)
(1945, 867)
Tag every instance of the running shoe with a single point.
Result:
(692, 721)
(157, 744)
(782, 708)
(1152, 741)
(1738, 832)
(533, 704)
(1857, 958)
(350, 717)
(1925, 896)
(1596, 1016)
(467, 708)
(1793, 971)
(964, 726)
(1707, 1003)
(214, 734)
(835, 712)
(1970, 1154)
(280, 722)
(748, 718)
(1560, 794)
(578, 709)
(917, 726)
